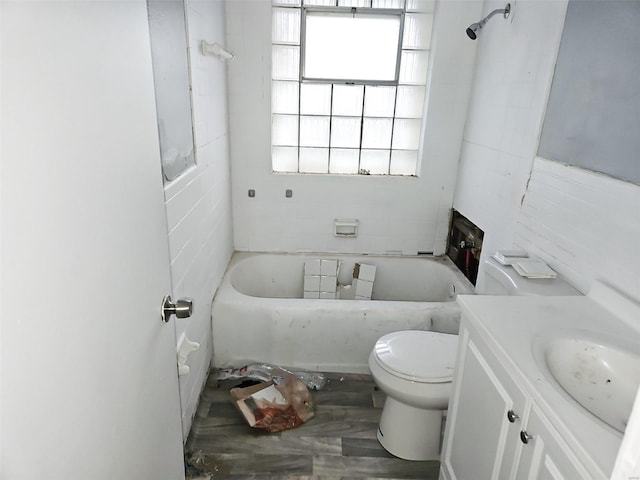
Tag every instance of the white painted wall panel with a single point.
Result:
(401, 215)
(198, 203)
(584, 224)
(590, 109)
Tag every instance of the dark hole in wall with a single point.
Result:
(465, 245)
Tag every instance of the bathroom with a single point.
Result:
(92, 239)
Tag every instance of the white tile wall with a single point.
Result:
(514, 69)
(396, 214)
(583, 224)
(198, 203)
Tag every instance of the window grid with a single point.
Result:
(330, 129)
(409, 152)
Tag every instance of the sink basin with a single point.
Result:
(602, 378)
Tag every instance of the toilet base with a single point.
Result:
(408, 432)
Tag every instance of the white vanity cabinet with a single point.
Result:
(546, 456)
(494, 429)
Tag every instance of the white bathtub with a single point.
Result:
(259, 313)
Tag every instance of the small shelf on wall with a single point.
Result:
(465, 245)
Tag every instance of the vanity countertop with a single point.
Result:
(517, 327)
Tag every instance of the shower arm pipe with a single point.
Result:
(474, 28)
(504, 11)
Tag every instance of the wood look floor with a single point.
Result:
(339, 443)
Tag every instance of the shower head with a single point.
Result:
(473, 30)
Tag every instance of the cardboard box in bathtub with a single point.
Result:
(274, 407)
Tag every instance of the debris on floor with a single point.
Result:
(266, 372)
(199, 466)
(339, 442)
(194, 466)
(276, 405)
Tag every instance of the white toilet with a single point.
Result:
(414, 369)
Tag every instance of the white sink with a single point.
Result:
(602, 378)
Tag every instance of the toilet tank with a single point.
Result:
(504, 280)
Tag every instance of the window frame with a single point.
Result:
(350, 11)
(415, 47)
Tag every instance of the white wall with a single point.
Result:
(199, 202)
(584, 224)
(514, 69)
(404, 215)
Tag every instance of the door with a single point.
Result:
(89, 388)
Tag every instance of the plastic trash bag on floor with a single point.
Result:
(266, 372)
(275, 406)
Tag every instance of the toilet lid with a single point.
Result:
(419, 356)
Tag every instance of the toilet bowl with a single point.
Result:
(414, 369)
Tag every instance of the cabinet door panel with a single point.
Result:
(478, 439)
(519, 405)
(546, 457)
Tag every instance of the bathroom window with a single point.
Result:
(334, 115)
(372, 38)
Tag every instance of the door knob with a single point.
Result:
(182, 308)
(525, 436)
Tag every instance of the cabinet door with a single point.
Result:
(545, 456)
(480, 442)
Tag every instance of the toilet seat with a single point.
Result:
(417, 355)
